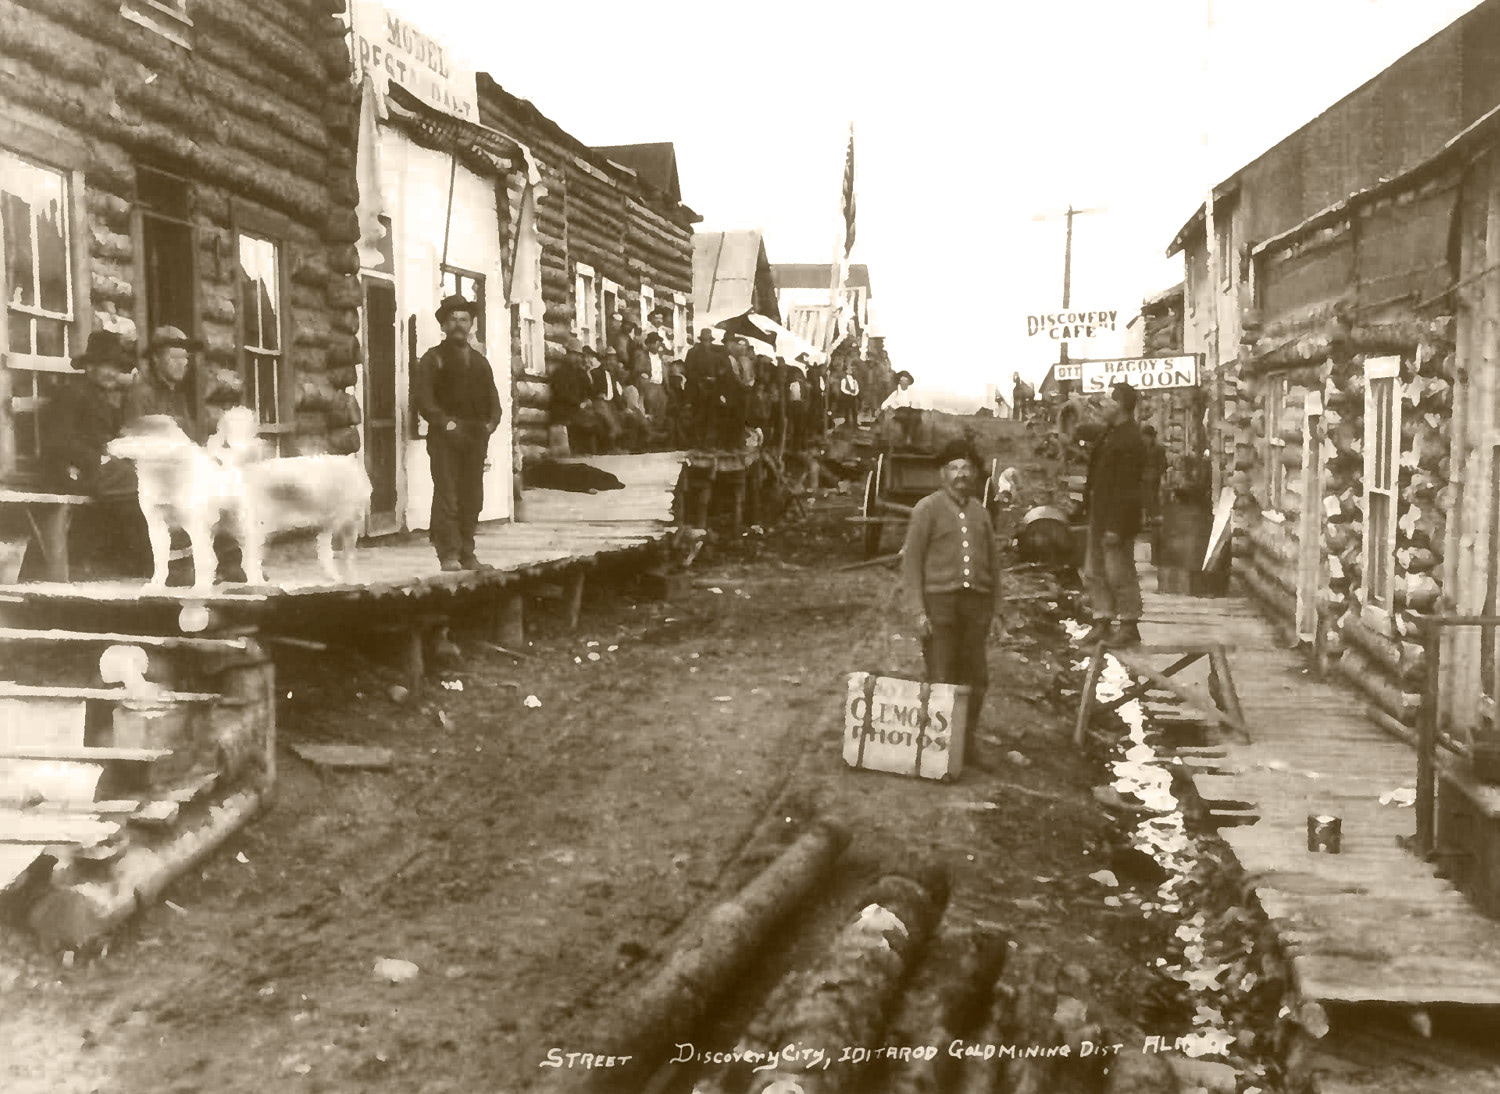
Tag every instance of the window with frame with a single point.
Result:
(586, 306)
(1488, 654)
(470, 286)
(680, 332)
(267, 386)
(528, 345)
(610, 301)
(1224, 229)
(1382, 428)
(37, 286)
(1275, 417)
(648, 305)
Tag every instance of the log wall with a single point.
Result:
(259, 117)
(1325, 356)
(593, 213)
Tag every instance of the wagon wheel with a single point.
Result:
(869, 509)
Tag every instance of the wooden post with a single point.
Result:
(1091, 681)
(1220, 661)
(54, 536)
(510, 619)
(1427, 742)
(412, 660)
(573, 593)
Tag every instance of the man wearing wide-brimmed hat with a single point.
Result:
(950, 570)
(86, 415)
(166, 385)
(456, 394)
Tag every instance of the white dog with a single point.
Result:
(327, 494)
(181, 486)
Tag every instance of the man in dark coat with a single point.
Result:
(167, 384)
(572, 396)
(85, 416)
(702, 370)
(1153, 467)
(456, 394)
(1112, 497)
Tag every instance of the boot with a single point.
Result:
(1097, 633)
(1123, 634)
(449, 565)
(468, 561)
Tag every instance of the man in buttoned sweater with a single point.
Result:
(950, 568)
(456, 394)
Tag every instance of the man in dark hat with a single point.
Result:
(950, 570)
(167, 384)
(85, 416)
(1112, 496)
(456, 394)
(903, 408)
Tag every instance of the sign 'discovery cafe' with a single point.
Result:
(387, 47)
(1070, 326)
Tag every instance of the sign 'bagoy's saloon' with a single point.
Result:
(1070, 326)
(390, 50)
(1143, 373)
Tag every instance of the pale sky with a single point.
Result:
(970, 118)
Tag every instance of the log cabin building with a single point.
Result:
(188, 164)
(612, 235)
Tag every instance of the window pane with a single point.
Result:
(249, 291)
(270, 308)
(52, 253)
(19, 325)
(265, 388)
(52, 337)
(20, 271)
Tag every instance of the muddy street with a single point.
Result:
(549, 828)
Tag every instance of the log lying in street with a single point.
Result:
(845, 1001)
(946, 1000)
(649, 1021)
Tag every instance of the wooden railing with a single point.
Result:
(1431, 627)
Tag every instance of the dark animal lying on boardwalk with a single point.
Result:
(577, 477)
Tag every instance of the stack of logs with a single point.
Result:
(1383, 661)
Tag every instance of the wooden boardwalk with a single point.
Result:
(559, 529)
(1374, 923)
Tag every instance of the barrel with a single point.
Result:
(1044, 536)
(1178, 550)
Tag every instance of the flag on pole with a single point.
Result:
(847, 204)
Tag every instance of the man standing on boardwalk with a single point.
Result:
(950, 572)
(456, 394)
(1112, 497)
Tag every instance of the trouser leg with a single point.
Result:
(1123, 581)
(470, 495)
(1101, 594)
(443, 525)
(974, 613)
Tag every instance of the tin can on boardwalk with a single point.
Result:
(1324, 834)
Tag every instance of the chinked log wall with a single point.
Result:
(259, 117)
(1326, 353)
(593, 213)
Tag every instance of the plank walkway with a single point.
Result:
(559, 528)
(1374, 923)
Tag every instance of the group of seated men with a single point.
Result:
(635, 395)
(92, 410)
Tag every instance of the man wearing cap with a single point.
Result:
(1112, 496)
(704, 370)
(903, 408)
(455, 393)
(571, 395)
(950, 571)
(604, 390)
(165, 385)
(649, 371)
(86, 415)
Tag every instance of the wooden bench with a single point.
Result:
(49, 516)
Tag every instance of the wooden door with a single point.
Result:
(382, 439)
(1310, 523)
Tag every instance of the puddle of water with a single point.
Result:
(1139, 770)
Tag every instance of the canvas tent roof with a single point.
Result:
(727, 267)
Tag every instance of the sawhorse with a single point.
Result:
(1148, 676)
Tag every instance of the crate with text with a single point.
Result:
(905, 726)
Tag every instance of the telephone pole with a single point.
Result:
(1067, 300)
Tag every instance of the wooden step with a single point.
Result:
(86, 754)
(156, 641)
(24, 827)
(9, 689)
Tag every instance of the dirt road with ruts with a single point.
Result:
(533, 862)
